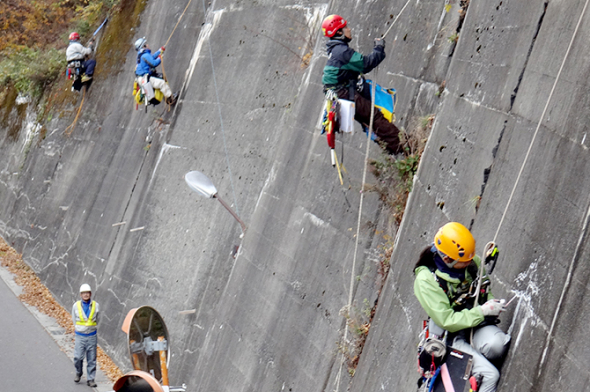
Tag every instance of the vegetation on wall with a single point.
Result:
(35, 37)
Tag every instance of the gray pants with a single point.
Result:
(489, 342)
(85, 347)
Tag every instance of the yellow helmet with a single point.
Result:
(455, 241)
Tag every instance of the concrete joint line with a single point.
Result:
(565, 289)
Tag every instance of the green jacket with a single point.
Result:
(436, 302)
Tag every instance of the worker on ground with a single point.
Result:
(342, 72)
(146, 74)
(443, 274)
(85, 314)
(79, 59)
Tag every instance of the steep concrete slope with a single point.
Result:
(108, 205)
(501, 76)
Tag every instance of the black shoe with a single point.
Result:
(91, 383)
(77, 378)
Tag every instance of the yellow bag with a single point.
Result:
(139, 96)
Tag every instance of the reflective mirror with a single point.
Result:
(137, 381)
(200, 183)
(147, 337)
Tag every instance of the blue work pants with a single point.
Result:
(85, 347)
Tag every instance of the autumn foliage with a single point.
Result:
(35, 24)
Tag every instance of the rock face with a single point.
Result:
(508, 156)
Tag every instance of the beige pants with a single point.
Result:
(153, 83)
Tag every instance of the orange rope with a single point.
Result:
(77, 115)
(179, 19)
(166, 44)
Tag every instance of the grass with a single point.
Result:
(32, 56)
(395, 175)
(30, 71)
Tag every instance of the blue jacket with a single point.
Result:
(147, 62)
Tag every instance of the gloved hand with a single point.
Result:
(493, 307)
(379, 42)
(162, 49)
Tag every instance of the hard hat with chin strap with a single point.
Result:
(455, 241)
(85, 288)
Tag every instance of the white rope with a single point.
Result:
(396, 18)
(540, 121)
(476, 303)
(358, 226)
(221, 120)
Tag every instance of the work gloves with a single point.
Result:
(379, 42)
(493, 307)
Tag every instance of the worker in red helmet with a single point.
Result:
(342, 72)
(79, 58)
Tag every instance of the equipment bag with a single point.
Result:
(385, 100)
(139, 96)
(346, 116)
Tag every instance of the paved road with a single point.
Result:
(31, 358)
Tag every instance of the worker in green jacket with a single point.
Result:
(443, 281)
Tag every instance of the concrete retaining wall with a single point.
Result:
(267, 317)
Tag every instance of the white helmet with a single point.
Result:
(85, 288)
(140, 43)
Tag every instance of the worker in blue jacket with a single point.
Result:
(146, 74)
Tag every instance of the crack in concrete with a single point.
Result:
(528, 56)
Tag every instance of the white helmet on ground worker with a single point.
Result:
(85, 288)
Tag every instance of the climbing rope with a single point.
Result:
(171, 34)
(221, 120)
(68, 133)
(396, 18)
(179, 19)
(526, 157)
(358, 226)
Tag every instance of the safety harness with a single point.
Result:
(460, 299)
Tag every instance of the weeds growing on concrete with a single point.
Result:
(358, 322)
(395, 175)
(394, 183)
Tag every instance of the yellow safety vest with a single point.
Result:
(83, 320)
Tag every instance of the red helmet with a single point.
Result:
(74, 36)
(332, 24)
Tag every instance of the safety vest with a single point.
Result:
(90, 321)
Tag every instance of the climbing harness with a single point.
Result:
(140, 94)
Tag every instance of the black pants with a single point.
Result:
(386, 132)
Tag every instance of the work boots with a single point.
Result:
(171, 100)
(91, 383)
(77, 378)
